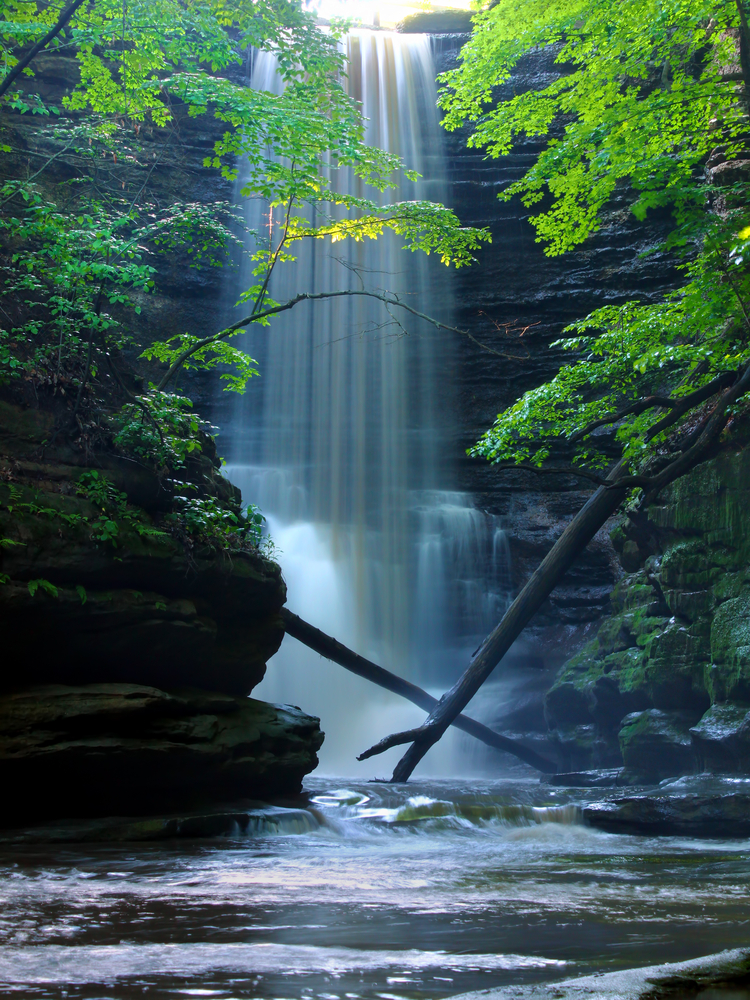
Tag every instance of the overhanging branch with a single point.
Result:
(389, 300)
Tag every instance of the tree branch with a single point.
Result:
(332, 649)
(391, 300)
(558, 560)
(55, 30)
(395, 740)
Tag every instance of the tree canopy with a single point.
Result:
(90, 243)
(650, 97)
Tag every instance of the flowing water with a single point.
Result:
(368, 891)
(391, 893)
(345, 442)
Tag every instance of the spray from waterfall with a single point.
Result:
(343, 441)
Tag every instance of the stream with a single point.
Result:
(375, 891)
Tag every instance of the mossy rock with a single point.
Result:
(730, 650)
(657, 744)
(722, 738)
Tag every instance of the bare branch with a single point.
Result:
(395, 740)
(559, 470)
(391, 300)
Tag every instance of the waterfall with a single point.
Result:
(344, 443)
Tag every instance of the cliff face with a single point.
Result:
(665, 686)
(515, 289)
(129, 651)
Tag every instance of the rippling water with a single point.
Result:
(427, 890)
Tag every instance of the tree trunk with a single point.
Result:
(573, 540)
(334, 650)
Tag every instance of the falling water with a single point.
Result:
(342, 442)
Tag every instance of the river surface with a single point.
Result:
(427, 890)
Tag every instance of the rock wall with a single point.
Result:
(664, 687)
(128, 660)
(515, 287)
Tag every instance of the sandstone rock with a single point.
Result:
(693, 815)
(724, 975)
(124, 749)
(722, 739)
(656, 745)
(253, 819)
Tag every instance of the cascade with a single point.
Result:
(345, 443)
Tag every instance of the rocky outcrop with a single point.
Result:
(664, 687)
(100, 749)
(130, 649)
(689, 815)
(141, 607)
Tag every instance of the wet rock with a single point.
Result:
(249, 820)
(582, 748)
(599, 778)
(723, 814)
(656, 745)
(122, 749)
(722, 739)
(726, 974)
(677, 639)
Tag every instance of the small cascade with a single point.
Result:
(341, 443)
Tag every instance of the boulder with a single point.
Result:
(125, 749)
(656, 744)
(722, 739)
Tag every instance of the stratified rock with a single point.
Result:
(124, 749)
(722, 739)
(657, 744)
(692, 815)
(252, 820)
(142, 608)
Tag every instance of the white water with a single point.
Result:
(344, 444)
(417, 892)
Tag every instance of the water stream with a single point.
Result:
(345, 444)
(383, 894)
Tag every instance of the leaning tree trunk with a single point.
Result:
(332, 649)
(573, 540)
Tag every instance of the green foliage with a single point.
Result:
(646, 91)
(236, 367)
(160, 428)
(207, 521)
(44, 585)
(115, 511)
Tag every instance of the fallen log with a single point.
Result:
(332, 649)
(563, 553)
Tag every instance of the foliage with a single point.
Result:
(160, 428)
(82, 251)
(645, 91)
(115, 510)
(209, 522)
(644, 94)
